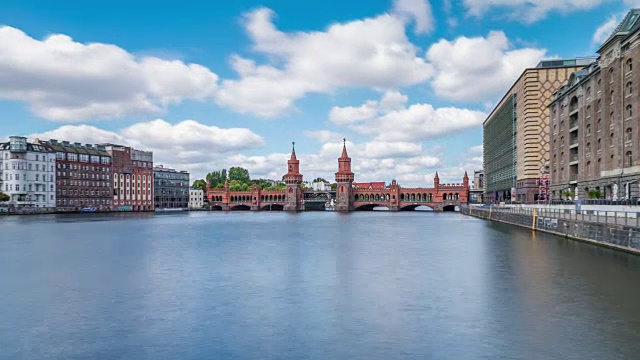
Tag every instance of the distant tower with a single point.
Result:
(436, 181)
(293, 179)
(344, 180)
(465, 180)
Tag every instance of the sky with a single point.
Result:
(208, 85)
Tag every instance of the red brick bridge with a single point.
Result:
(441, 197)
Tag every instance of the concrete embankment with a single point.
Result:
(619, 235)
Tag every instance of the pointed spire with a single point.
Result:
(226, 182)
(344, 149)
(436, 177)
(465, 175)
(293, 151)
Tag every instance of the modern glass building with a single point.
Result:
(171, 188)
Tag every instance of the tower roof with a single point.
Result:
(293, 152)
(437, 177)
(344, 150)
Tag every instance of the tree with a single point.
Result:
(334, 186)
(4, 197)
(217, 178)
(319, 180)
(568, 194)
(594, 194)
(240, 174)
(200, 184)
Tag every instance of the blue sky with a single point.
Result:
(208, 84)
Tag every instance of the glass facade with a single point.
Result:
(500, 150)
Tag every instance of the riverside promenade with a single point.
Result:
(618, 230)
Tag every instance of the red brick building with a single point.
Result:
(83, 176)
(132, 176)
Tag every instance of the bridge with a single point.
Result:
(347, 197)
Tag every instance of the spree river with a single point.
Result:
(314, 285)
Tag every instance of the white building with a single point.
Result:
(321, 186)
(28, 173)
(196, 198)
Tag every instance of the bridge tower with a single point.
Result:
(293, 179)
(344, 180)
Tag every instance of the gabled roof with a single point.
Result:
(627, 26)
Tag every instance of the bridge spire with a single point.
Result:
(344, 149)
(293, 152)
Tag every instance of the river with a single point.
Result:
(313, 285)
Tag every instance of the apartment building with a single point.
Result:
(132, 174)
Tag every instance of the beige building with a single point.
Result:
(595, 126)
(517, 132)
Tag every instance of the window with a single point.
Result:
(629, 111)
(588, 92)
(588, 111)
(588, 129)
(629, 134)
(611, 97)
(599, 144)
(611, 78)
(588, 167)
(629, 65)
(599, 106)
(629, 158)
(18, 176)
(588, 148)
(628, 89)
(599, 124)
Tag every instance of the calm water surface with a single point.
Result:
(309, 286)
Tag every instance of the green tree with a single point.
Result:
(594, 194)
(568, 194)
(319, 180)
(334, 186)
(240, 174)
(217, 178)
(4, 197)
(200, 184)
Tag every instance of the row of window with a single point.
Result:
(29, 187)
(84, 167)
(82, 192)
(82, 175)
(25, 166)
(83, 183)
(83, 158)
(10, 177)
(81, 202)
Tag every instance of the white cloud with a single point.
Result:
(401, 123)
(418, 11)
(69, 81)
(323, 136)
(474, 69)
(476, 149)
(370, 53)
(603, 31)
(187, 145)
(529, 10)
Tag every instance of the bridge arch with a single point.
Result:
(240, 208)
(272, 207)
(449, 208)
(414, 207)
(367, 207)
(216, 208)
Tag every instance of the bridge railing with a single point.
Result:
(626, 218)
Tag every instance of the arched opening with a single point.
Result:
(416, 207)
(356, 198)
(401, 197)
(367, 207)
(444, 196)
(450, 208)
(216, 208)
(240, 208)
(272, 207)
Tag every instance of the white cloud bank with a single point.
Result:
(65, 80)
(529, 11)
(390, 119)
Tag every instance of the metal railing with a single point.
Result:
(625, 218)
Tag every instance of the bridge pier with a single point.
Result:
(255, 208)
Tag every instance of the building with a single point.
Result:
(321, 186)
(476, 193)
(132, 172)
(517, 131)
(83, 176)
(595, 123)
(369, 185)
(196, 198)
(344, 181)
(171, 188)
(27, 173)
